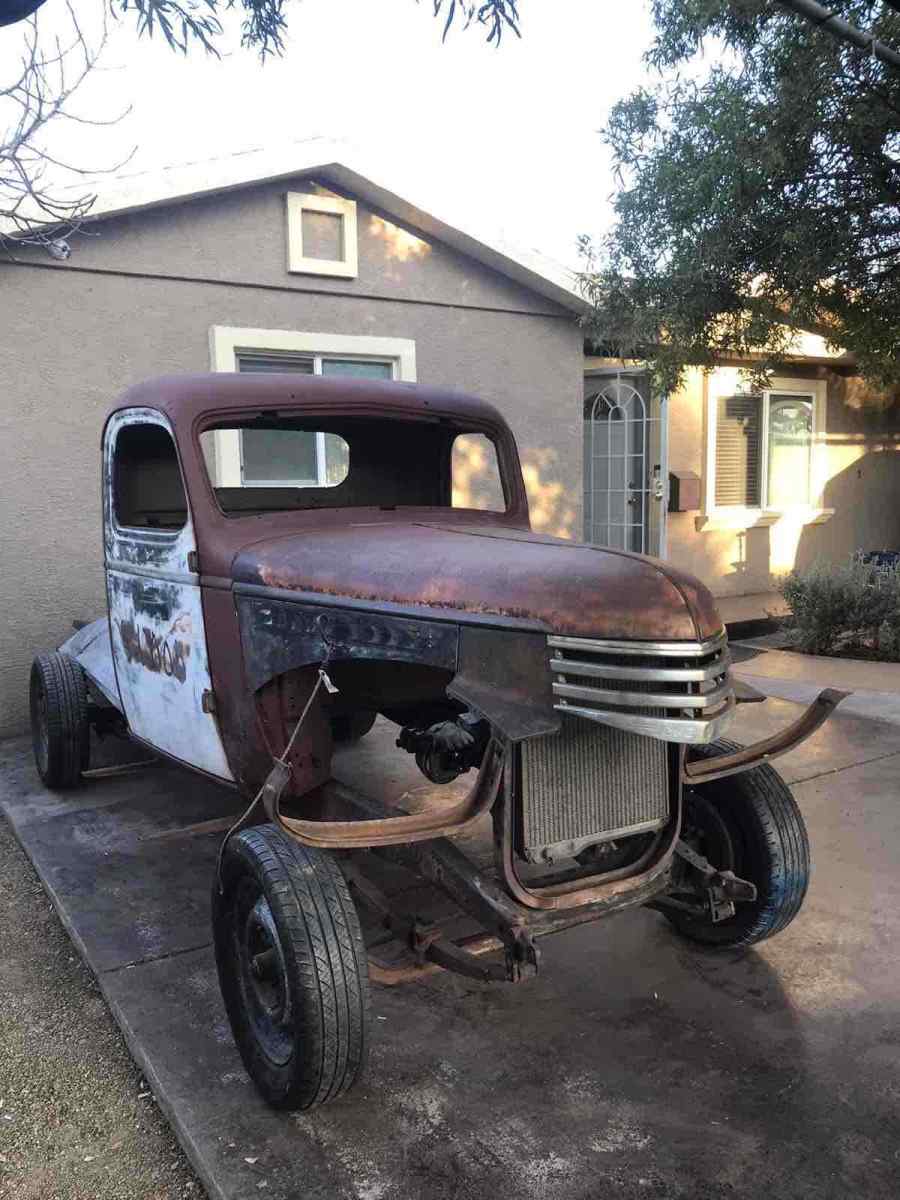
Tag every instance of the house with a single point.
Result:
(291, 260)
(302, 259)
(758, 482)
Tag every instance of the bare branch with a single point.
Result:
(34, 211)
(819, 15)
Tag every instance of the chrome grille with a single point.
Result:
(585, 785)
(676, 691)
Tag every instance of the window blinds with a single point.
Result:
(738, 450)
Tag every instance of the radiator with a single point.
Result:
(590, 783)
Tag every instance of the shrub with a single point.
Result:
(854, 605)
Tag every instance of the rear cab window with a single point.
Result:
(282, 461)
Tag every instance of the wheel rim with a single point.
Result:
(707, 832)
(40, 732)
(262, 974)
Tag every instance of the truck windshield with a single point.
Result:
(273, 462)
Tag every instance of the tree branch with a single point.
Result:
(825, 19)
(32, 211)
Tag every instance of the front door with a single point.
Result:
(153, 590)
(625, 472)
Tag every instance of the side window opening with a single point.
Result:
(475, 474)
(148, 491)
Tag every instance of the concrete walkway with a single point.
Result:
(757, 606)
(800, 677)
(636, 1065)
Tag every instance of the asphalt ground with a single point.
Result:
(636, 1065)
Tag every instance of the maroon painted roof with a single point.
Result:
(192, 402)
(184, 397)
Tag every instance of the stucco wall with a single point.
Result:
(861, 473)
(77, 333)
(241, 237)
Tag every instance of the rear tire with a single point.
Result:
(292, 968)
(753, 820)
(60, 733)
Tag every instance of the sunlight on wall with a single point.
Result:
(475, 475)
(784, 539)
(552, 509)
(859, 396)
(399, 244)
(812, 345)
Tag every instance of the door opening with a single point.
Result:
(625, 468)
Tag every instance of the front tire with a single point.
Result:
(292, 968)
(748, 823)
(60, 733)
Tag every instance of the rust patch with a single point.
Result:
(164, 654)
(432, 597)
(488, 572)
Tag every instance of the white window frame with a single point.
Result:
(227, 343)
(321, 476)
(298, 262)
(727, 381)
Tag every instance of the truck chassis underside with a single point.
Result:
(513, 914)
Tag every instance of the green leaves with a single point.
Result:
(497, 15)
(851, 608)
(759, 188)
(184, 23)
(180, 23)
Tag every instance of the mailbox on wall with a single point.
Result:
(684, 491)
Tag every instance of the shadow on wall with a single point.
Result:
(865, 496)
(861, 444)
(866, 500)
(549, 500)
(751, 559)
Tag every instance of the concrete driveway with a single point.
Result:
(636, 1065)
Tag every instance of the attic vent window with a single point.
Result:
(321, 235)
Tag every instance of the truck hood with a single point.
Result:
(488, 571)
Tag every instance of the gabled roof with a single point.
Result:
(343, 166)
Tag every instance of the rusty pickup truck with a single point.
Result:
(289, 558)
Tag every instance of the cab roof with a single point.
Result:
(185, 398)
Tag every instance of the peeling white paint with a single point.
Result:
(156, 625)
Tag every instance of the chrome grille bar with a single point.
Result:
(667, 729)
(713, 699)
(595, 670)
(675, 691)
(672, 649)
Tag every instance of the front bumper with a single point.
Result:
(746, 757)
(674, 691)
